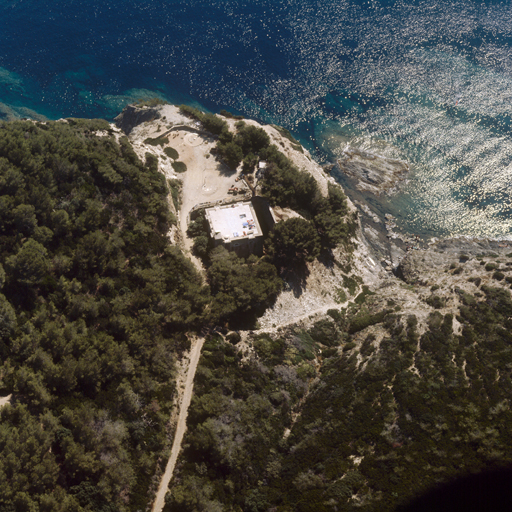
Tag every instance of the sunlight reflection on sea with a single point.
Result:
(427, 82)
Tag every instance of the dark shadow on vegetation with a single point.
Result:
(224, 169)
(489, 491)
(326, 258)
(296, 277)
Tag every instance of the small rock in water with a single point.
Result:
(374, 173)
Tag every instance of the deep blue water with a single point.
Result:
(426, 82)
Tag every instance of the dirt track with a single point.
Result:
(195, 353)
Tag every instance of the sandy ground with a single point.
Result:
(195, 353)
(206, 180)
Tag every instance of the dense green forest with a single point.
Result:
(94, 307)
(324, 420)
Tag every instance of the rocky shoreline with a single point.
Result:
(373, 173)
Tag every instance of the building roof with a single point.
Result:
(233, 222)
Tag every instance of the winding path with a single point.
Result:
(195, 353)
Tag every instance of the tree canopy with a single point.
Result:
(90, 323)
(238, 286)
(294, 239)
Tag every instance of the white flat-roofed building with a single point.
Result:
(236, 226)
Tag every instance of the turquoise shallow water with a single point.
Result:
(426, 82)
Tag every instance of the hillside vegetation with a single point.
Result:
(359, 409)
(333, 418)
(94, 308)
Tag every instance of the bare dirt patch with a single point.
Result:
(4, 400)
(206, 179)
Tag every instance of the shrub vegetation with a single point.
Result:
(375, 427)
(171, 153)
(179, 166)
(211, 123)
(91, 324)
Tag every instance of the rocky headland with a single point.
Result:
(372, 173)
(383, 260)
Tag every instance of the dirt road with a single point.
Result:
(195, 353)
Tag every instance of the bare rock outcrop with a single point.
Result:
(406, 270)
(373, 173)
(132, 116)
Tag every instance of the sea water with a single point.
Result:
(427, 82)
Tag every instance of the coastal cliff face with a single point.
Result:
(132, 116)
